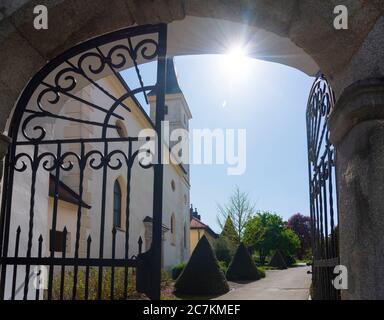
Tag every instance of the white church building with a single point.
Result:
(71, 198)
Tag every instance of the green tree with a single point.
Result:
(267, 232)
(229, 232)
(289, 242)
(224, 250)
(237, 212)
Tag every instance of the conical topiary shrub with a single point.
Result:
(278, 261)
(202, 274)
(242, 266)
(290, 260)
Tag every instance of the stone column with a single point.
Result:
(357, 131)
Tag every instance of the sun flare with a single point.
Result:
(235, 61)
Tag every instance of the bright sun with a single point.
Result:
(234, 62)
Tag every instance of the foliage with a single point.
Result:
(224, 249)
(237, 211)
(263, 233)
(262, 269)
(289, 242)
(223, 266)
(229, 233)
(202, 274)
(267, 232)
(290, 260)
(261, 273)
(177, 269)
(301, 225)
(242, 266)
(278, 261)
(119, 275)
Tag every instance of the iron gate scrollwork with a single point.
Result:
(67, 150)
(323, 192)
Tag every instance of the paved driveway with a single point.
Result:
(290, 284)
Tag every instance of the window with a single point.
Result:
(117, 205)
(165, 109)
(173, 229)
(173, 185)
(57, 246)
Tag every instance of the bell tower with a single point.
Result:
(177, 111)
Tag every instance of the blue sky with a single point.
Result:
(269, 101)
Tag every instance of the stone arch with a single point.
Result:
(290, 32)
(286, 30)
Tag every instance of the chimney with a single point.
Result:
(196, 214)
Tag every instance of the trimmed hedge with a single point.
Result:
(290, 260)
(278, 261)
(177, 269)
(202, 274)
(223, 266)
(242, 266)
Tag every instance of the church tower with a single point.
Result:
(177, 111)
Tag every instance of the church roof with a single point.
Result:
(65, 193)
(197, 224)
(172, 84)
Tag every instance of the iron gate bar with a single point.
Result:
(158, 169)
(322, 175)
(17, 161)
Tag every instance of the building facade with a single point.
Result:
(81, 209)
(198, 229)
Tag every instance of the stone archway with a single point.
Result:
(308, 25)
(351, 59)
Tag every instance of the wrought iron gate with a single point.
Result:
(67, 151)
(322, 189)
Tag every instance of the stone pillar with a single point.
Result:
(357, 131)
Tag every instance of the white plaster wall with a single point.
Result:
(141, 193)
(20, 216)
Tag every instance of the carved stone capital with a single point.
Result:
(361, 101)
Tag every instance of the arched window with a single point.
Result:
(117, 205)
(173, 229)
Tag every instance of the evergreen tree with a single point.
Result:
(229, 231)
(242, 266)
(278, 261)
(202, 274)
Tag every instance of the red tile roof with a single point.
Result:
(197, 224)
